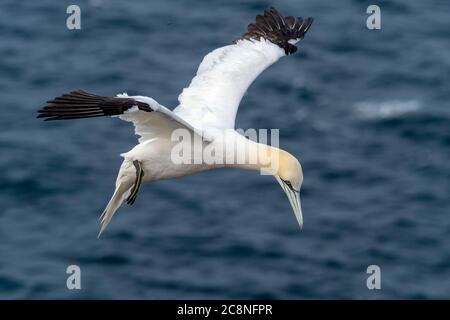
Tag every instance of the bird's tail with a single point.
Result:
(123, 188)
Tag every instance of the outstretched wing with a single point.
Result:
(224, 75)
(150, 119)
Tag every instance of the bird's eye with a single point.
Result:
(289, 184)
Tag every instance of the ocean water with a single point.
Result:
(366, 112)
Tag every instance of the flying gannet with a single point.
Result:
(206, 108)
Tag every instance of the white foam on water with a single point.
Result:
(387, 109)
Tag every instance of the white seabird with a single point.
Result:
(206, 108)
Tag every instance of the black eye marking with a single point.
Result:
(289, 184)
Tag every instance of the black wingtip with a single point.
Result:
(80, 104)
(278, 29)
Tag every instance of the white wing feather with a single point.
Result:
(212, 99)
(159, 123)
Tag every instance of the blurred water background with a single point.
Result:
(367, 113)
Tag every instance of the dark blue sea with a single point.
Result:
(366, 112)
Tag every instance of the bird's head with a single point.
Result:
(290, 177)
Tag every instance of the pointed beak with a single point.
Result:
(294, 199)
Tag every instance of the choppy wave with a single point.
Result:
(375, 191)
(386, 109)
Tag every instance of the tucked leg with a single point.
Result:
(137, 184)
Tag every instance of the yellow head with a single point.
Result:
(290, 177)
(282, 165)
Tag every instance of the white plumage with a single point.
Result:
(212, 99)
(207, 109)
